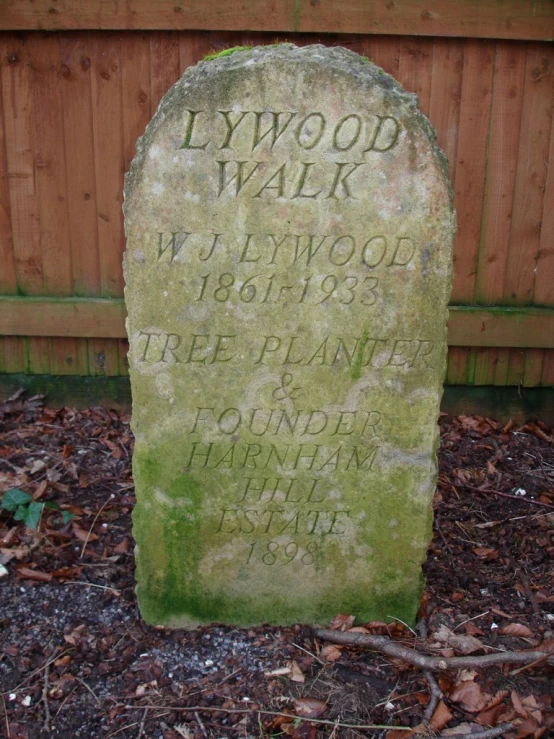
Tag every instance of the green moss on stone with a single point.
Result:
(226, 52)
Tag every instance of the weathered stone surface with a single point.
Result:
(289, 233)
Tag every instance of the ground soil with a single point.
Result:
(77, 661)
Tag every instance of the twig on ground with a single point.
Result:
(93, 585)
(436, 695)
(128, 726)
(413, 657)
(486, 734)
(518, 570)
(8, 732)
(67, 697)
(47, 717)
(35, 672)
(104, 504)
(200, 724)
(90, 690)
(527, 667)
(215, 709)
(321, 662)
(143, 721)
(479, 615)
(518, 499)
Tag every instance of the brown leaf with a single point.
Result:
(490, 716)
(342, 622)
(66, 573)
(473, 630)
(303, 730)
(41, 489)
(517, 704)
(296, 674)
(514, 629)
(440, 717)
(331, 653)
(83, 534)
(463, 644)
(63, 661)
(399, 734)
(528, 727)
(486, 553)
(470, 696)
(26, 573)
(122, 547)
(533, 708)
(309, 707)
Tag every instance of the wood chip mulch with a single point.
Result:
(77, 661)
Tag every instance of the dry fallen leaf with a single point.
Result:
(331, 653)
(83, 534)
(514, 629)
(26, 573)
(440, 717)
(342, 622)
(296, 674)
(309, 707)
(303, 730)
(464, 644)
(470, 696)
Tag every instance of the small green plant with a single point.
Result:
(225, 52)
(25, 509)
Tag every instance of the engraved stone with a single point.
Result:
(289, 231)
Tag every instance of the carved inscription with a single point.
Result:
(377, 133)
(301, 136)
(289, 250)
(157, 347)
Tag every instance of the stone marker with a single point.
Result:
(289, 231)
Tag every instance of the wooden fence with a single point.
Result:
(74, 99)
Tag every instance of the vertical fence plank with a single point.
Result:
(415, 70)
(516, 367)
(18, 120)
(108, 158)
(536, 125)
(123, 359)
(75, 83)
(532, 369)
(471, 163)
(194, 46)
(164, 65)
(38, 355)
(8, 281)
(386, 52)
(135, 91)
(501, 368)
(544, 277)
(505, 123)
(458, 357)
(103, 356)
(15, 354)
(50, 170)
(485, 366)
(68, 356)
(547, 375)
(446, 95)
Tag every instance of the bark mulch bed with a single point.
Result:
(77, 661)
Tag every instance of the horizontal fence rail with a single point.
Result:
(96, 318)
(500, 19)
